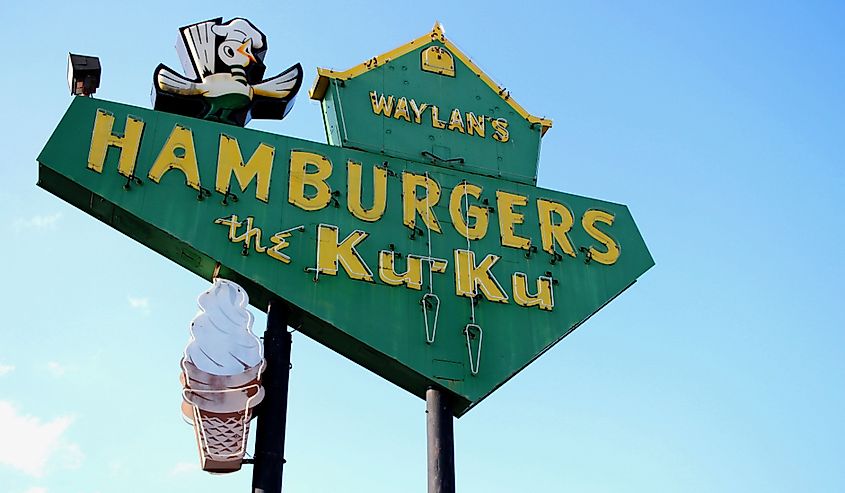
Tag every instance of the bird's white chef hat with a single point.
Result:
(240, 30)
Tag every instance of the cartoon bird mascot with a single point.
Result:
(224, 64)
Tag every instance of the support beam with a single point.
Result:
(272, 412)
(441, 442)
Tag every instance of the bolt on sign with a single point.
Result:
(415, 243)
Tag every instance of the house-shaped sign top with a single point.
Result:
(427, 101)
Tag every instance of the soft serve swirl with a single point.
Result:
(222, 342)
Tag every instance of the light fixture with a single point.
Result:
(83, 74)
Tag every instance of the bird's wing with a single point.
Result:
(173, 83)
(281, 86)
(199, 44)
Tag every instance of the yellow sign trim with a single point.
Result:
(318, 90)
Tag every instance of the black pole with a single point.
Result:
(441, 442)
(272, 412)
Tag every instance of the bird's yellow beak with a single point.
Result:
(246, 50)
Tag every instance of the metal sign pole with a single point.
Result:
(441, 442)
(272, 413)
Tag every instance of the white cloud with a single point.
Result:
(56, 368)
(4, 369)
(37, 443)
(141, 304)
(184, 468)
(37, 222)
(36, 489)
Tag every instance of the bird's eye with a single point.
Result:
(228, 51)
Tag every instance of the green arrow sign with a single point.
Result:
(373, 252)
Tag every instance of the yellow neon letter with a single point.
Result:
(552, 233)
(480, 214)
(411, 205)
(418, 110)
(330, 252)
(544, 298)
(402, 110)
(230, 160)
(379, 106)
(299, 178)
(508, 218)
(611, 255)
(468, 276)
(233, 224)
(500, 125)
(353, 192)
(436, 122)
(475, 125)
(280, 242)
(412, 277)
(104, 137)
(178, 153)
(455, 121)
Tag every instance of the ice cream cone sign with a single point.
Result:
(221, 376)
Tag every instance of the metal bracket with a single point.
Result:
(229, 194)
(316, 272)
(435, 157)
(202, 193)
(589, 256)
(130, 180)
(389, 171)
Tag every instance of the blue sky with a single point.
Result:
(719, 124)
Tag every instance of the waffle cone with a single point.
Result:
(221, 438)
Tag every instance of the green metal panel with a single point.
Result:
(379, 326)
(354, 124)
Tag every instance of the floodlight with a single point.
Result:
(83, 74)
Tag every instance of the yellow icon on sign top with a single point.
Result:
(438, 60)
